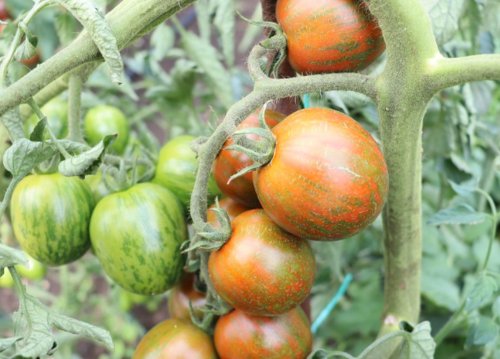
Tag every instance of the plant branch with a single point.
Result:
(445, 72)
(127, 20)
(74, 102)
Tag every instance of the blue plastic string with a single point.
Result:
(331, 305)
(306, 100)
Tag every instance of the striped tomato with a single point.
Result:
(50, 217)
(183, 295)
(328, 178)
(137, 234)
(174, 338)
(261, 269)
(232, 208)
(329, 35)
(239, 335)
(230, 162)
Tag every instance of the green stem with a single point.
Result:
(494, 216)
(74, 102)
(448, 327)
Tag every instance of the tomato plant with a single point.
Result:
(262, 269)
(239, 335)
(106, 120)
(228, 204)
(176, 168)
(56, 111)
(50, 217)
(328, 178)
(182, 296)
(34, 270)
(6, 280)
(174, 338)
(329, 35)
(230, 162)
(137, 234)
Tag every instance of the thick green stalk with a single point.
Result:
(74, 104)
(402, 101)
(128, 20)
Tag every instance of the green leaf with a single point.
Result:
(66, 27)
(441, 291)
(457, 214)
(24, 155)
(86, 162)
(419, 344)
(444, 16)
(37, 133)
(90, 331)
(8, 343)
(484, 331)
(463, 190)
(496, 308)
(12, 121)
(481, 293)
(224, 21)
(100, 32)
(162, 40)
(10, 257)
(206, 57)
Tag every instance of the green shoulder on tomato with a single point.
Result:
(106, 120)
(176, 169)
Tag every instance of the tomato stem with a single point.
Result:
(74, 106)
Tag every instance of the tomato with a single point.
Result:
(34, 270)
(175, 339)
(97, 186)
(6, 280)
(56, 111)
(261, 269)
(329, 35)
(106, 120)
(328, 179)
(183, 294)
(239, 335)
(4, 13)
(136, 235)
(232, 208)
(31, 61)
(50, 217)
(176, 169)
(229, 163)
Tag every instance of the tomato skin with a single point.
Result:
(232, 208)
(181, 295)
(106, 120)
(261, 269)
(34, 270)
(329, 35)
(328, 179)
(175, 339)
(6, 280)
(229, 163)
(176, 169)
(97, 186)
(56, 111)
(50, 217)
(4, 13)
(137, 234)
(239, 335)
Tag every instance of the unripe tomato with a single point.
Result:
(261, 269)
(106, 120)
(34, 270)
(328, 179)
(242, 336)
(137, 235)
(229, 163)
(97, 186)
(56, 111)
(329, 35)
(232, 208)
(176, 169)
(6, 280)
(175, 339)
(50, 217)
(183, 294)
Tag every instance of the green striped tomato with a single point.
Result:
(262, 269)
(137, 234)
(239, 335)
(176, 169)
(50, 217)
(328, 179)
(329, 35)
(106, 120)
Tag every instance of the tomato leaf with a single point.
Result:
(7, 343)
(496, 308)
(457, 214)
(38, 131)
(10, 257)
(224, 21)
(12, 121)
(481, 293)
(444, 16)
(24, 155)
(74, 326)
(100, 32)
(484, 331)
(86, 162)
